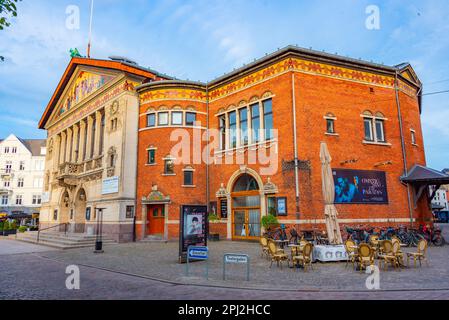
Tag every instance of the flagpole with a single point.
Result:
(90, 27)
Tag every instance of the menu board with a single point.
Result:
(224, 208)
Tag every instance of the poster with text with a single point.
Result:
(193, 228)
(360, 187)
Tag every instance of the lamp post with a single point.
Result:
(99, 233)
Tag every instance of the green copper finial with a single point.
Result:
(74, 53)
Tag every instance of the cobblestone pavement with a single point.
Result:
(47, 281)
(8, 246)
(159, 261)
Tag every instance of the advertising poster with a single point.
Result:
(193, 229)
(360, 187)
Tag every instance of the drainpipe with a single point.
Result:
(404, 154)
(207, 149)
(295, 148)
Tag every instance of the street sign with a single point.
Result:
(198, 253)
(235, 258)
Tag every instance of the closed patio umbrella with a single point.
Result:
(330, 212)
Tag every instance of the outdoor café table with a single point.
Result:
(280, 243)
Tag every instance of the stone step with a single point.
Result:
(52, 244)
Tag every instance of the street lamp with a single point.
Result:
(99, 233)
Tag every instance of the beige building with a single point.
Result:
(92, 125)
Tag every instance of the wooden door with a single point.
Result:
(156, 220)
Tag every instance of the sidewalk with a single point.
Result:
(159, 261)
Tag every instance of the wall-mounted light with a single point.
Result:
(385, 163)
(349, 161)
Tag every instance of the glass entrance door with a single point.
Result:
(246, 224)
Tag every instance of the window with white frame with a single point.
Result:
(14, 150)
(222, 128)
(38, 182)
(19, 199)
(268, 118)
(151, 156)
(330, 123)
(151, 120)
(374, 129)
(7, 183)
(243, 117)
(22, 166)
(169, 165)
(6, 149)
(190, 119)
(20, 182)
(8, 167)
(37, 199)
(413, 136)
(176, 118)
(232, 129)
(5, 200)
(255, 122)
(188, 176)
(162, 118)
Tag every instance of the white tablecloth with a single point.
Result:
(329, 253)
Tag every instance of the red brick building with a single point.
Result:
(263, 117)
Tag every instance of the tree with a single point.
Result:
(8, 9)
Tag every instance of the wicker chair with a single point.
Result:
(394, 257)
(305, 257)
(277, 255)
(265, 250)
(419, 255)
(365, 256)
(351, 252)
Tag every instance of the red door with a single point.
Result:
(156, 220)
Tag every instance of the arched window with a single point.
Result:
(246, 183)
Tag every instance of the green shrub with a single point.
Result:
(6, 226)
(13, 225)
(22, 229)
(269, 221)
(213, 217)
(2, 224)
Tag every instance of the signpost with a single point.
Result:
(235, 258)
(199, 253)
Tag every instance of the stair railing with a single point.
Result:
(53, 227)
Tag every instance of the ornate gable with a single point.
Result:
(82, 85)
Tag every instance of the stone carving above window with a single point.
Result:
(270, 187)
(155, 196)
(222, 193)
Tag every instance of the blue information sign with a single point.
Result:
(198, 253)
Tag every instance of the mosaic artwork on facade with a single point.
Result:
(173, 94)
(85, 84)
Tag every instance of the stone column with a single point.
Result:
(56, 152)
(63, 147)
(82, 129)
(90, 122)
(68, 156)
(75, 146)
(97, 151)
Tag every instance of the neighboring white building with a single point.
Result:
(440, 201)
(22, 165)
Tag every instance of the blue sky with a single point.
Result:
(200, 40)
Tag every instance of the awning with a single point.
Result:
(424, 175)
(421, 177)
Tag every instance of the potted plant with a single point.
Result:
(22, 229)
(270, 222)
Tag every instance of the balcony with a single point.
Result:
(70, 174)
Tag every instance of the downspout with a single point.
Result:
(207, 149)
(404, 154)
(295, 149)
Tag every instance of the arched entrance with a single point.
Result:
(246, 208)
(64, 207)
(80, 211)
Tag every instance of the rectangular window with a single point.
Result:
(129, 212)
(55, 214)
(37, 199)
(151, 156)
(20, 183)
(22, 166)
(19, 200)
(151, 120)
(8, 168)
(176, 118)
(268, 119)
(243, 113)
(188, 178)
(380, 130)
(6, 149)
(368, 129)
(255, 122)
(14, 150)
(190, 119)
(169, 166)
(5, 200)
(330, 128)
(232, 129)
(272, 206)
(413, 136)
(6, 183)
(162, 118)
(222, 125)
